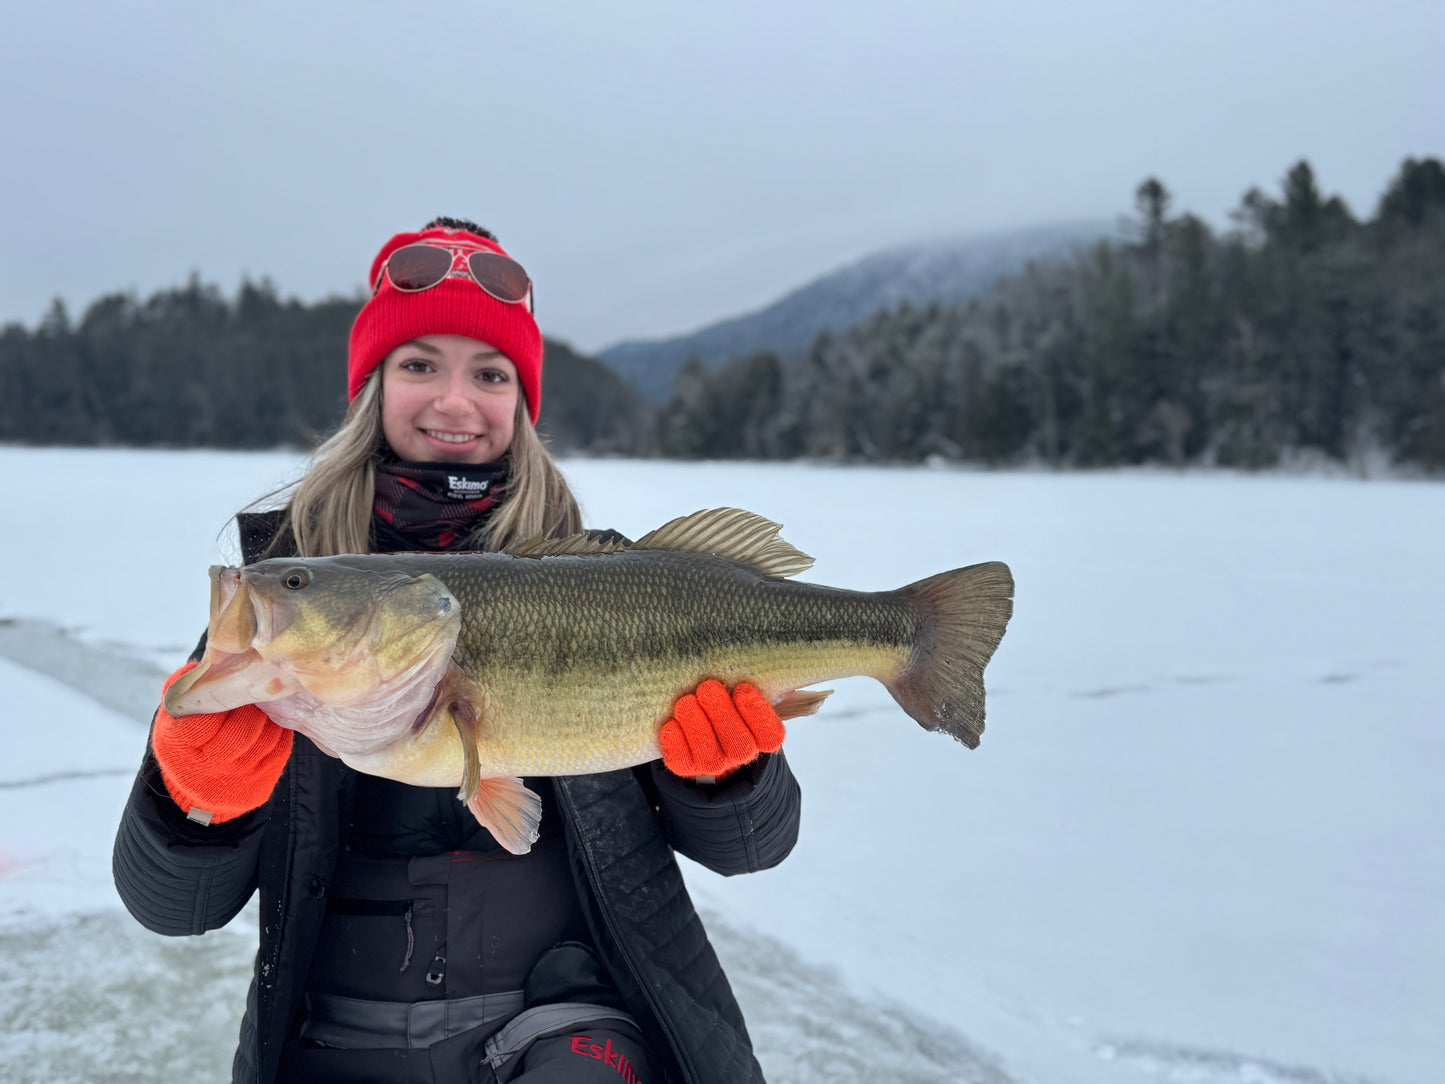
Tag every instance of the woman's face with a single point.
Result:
(448, 399)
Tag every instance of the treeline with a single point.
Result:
(190, 367)
(1300, 330)
(1303, 329)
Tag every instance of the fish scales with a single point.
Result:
(562, 613)
(578, 660)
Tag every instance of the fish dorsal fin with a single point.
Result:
(738, 535)
(574, 545)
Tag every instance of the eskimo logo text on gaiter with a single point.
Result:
(465, 487)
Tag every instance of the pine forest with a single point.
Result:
(1301, 330)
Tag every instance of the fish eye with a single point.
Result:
(297, 578)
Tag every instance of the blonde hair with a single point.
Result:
(330, 509)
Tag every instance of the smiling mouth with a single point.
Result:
(452, 438)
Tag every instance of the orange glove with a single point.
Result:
(713, 733)
(218, 765)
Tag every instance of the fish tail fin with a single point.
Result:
(962, 615)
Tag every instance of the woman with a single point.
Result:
(399, 942)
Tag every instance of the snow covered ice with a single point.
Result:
(1199, 843)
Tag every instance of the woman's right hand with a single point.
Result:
(219, 765)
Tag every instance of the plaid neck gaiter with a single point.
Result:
(436, 506)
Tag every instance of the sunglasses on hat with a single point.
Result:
(413, 268)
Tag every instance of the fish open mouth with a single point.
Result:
(232, 672)
(233, 618)
(223, 680)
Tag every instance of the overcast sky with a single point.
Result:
(659, 165)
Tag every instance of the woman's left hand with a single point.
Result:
(713, 732)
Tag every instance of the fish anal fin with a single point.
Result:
(507, 809)
(738, 535)
(800, 702)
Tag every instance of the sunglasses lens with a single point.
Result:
(418, 267)
(504, 279)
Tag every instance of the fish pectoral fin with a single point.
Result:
(507, 809)
(468, 721)
(799, 702)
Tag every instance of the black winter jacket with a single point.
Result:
(622, 827)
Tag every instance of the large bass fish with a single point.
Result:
(565, 657)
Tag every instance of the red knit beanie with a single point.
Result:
(455, 306)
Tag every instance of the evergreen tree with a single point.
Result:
(1299, 330)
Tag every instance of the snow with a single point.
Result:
(1199, 842)
(62, 784)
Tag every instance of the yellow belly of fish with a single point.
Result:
(591, 719)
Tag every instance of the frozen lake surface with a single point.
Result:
(1200, 841)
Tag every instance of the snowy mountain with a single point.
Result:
(947, 271)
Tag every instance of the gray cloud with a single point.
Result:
(659, 165)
